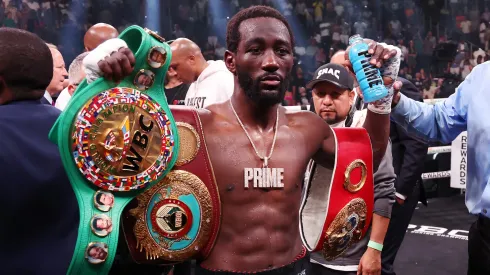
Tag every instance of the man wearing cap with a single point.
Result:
(333, 96)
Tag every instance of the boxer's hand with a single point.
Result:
(113, 52)
(381, 54)
(118, 65)
(387, 58)
(370, 263)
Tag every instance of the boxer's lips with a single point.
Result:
(271, 81)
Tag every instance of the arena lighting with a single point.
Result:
(77, 13)
(296, 27)
(221, 15)
(152, 15)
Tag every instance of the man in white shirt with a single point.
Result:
(59, 75)
(211, 81)
(75, 75)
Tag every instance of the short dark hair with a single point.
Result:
(94, 224)
(98, 198)
(233, 34)
(26, 64)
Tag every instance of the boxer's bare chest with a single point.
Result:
(241, 169)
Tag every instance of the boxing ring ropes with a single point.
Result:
(460, 142)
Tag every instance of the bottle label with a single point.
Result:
(372, 76)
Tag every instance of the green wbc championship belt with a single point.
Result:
(115, 142)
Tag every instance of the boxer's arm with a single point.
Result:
(377, 123)
(325, 155)
(378, 128)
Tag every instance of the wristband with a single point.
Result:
(115, 142)
(375, 245)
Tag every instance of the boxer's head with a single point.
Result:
(26, 66)
(187, 60)
(98, 34)
(260, 53)
(333, 96)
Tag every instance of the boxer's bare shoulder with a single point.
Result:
(317, 130)
(318, 134)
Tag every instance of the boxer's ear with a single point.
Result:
(230, 61)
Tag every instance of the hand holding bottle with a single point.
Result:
(380, 56)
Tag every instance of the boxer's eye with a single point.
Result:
(254, 50)
(282, 51)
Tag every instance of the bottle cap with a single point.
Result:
(355, 38)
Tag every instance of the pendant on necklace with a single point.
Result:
(265, 163)
(264, 177)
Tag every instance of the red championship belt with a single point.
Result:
(178, 218)
(337, 204)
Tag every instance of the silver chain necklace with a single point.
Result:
(265, 159)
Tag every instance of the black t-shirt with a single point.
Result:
(419, 83)
(176, 95)
(297, 82)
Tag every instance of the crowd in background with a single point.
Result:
(321, 28)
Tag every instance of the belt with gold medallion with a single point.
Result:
(115, 143)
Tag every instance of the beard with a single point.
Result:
(262, 97)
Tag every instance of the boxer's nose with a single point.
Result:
(270, 63)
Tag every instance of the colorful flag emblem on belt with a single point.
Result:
(110, 139)
(125, 130)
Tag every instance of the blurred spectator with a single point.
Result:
(412, 57)
(318, 6)
(178, 32)
(297, 82)
(303, 97)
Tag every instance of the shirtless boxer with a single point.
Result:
(259, 226)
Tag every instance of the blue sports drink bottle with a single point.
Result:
(368, 76)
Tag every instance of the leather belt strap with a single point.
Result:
(204, 214)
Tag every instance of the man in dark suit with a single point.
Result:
(408, 161)
(38, 208)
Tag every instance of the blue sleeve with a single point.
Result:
(443, 121)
